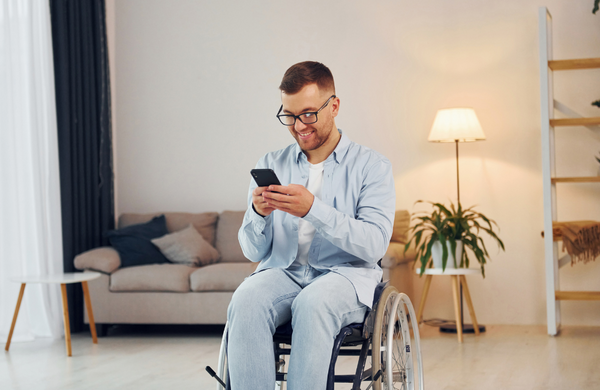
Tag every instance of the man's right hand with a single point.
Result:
(260, 206)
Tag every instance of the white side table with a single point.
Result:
(63, 280)
(458, 277)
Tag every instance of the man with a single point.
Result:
(318, 239)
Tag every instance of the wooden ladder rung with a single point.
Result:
(577, 295)
(583, 179)
(593, 121)
(583, 63)
(555, 237)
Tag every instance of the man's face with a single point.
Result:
(310, 98)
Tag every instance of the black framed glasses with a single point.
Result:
(308, 118)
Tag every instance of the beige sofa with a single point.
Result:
(180, 294)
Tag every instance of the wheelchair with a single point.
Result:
(389, 354)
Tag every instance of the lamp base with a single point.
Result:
(467, 328)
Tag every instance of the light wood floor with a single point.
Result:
(505, 357)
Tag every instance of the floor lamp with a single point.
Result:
(457, 125)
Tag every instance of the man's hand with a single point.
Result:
(293, 199)
(259, 203)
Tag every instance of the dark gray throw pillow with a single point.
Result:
(134, 245)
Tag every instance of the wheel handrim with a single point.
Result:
(379, 345)
(398, 371)
(417, 372)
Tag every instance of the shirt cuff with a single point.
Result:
(319, 214)
(258, 221)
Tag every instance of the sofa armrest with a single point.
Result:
(395, 255)
(104, 259)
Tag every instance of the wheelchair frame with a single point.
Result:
(384, 336)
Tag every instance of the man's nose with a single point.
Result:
(298, 126)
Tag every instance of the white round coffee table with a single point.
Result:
(63, 280)
(458, 278)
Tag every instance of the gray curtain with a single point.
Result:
(82, 86)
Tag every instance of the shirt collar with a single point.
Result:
(338, 153)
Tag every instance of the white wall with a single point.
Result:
(197, 96)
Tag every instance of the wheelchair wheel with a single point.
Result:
(404, 365)
(394, 352)
(379, 344)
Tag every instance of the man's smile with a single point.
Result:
(305, 135)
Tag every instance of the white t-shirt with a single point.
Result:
(306, 231)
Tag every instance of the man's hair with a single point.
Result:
(304, 73)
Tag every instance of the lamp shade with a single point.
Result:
(456, 124)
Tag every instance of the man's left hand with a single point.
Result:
(293, 199)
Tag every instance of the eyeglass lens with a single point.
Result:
(307, 119)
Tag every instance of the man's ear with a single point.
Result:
(335, 106)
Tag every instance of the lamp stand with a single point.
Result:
(457, 173)
(466, 328)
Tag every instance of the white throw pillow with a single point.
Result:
(187, 246)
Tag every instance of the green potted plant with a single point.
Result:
(451, 231)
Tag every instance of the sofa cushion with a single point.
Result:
(227, 237)
(133, 242)
(221, 276)
(401, 224)
(203, 222)
(154, 278)
(104, 259)
(187, 247)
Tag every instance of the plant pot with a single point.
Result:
(436, 254)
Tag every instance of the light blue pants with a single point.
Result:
(319, 304)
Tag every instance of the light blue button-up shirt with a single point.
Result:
(353, 219)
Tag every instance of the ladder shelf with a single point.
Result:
(553, 263)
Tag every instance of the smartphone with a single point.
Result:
(265, 177)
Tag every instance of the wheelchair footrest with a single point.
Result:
(348, 378)
(351, 352)
(282, 377)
